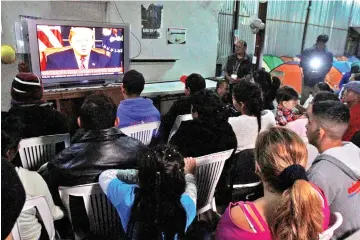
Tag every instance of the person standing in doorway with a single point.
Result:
(316, 62)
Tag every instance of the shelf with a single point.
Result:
(149, 60)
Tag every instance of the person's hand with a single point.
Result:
(190, 165)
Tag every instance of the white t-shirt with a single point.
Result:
(34, 186)
(246, 128)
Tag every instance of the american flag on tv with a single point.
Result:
(48, 37)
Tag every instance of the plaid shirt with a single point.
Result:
(283, 116)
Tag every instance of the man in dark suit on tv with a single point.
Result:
(80, 55)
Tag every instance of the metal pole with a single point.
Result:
(260, 36)
(306, 25)
(235, 22)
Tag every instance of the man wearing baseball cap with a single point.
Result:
(352, 100)
(353, 75)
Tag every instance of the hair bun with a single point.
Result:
(290, 174)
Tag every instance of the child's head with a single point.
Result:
(157, 209)
(287, 97)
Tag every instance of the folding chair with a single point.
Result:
(143, 132)
(44, 211)
(208, 171)
(103, 217)
(177, 123)
(337, 220)
(34, 152)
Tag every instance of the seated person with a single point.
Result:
(102, 147)
(287, 99)
(266, 84)
(38, 116)
(336, 170)
(356, 139)
(13, 195)
(193, 83)
(208, 132)
(352, 100)
(247, 99)
(134, 109)
(33, 183)
(299, 125)
(159, 200)
(353, 75)
(80, 55)
(321, 86)
(222, 90)
(292, 207)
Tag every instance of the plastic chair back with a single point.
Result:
(208, 171)
(177, 123)
(34, 152)
(44, 211)
(103, 217)
(337, 220)
(142, 132)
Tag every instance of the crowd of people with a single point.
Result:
(306, 157)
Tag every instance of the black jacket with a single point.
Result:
(39, 120)
(244, 69)
(97, 151)
(195, 138)
(180, 107)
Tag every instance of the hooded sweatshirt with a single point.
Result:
(135, 111)
(336, 171)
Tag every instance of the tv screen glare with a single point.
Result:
(75, 52)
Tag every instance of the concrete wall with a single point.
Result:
(10, 13)
(197, 55)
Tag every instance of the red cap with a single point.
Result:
(183, 78)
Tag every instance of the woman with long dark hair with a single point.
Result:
(158, 201)
(247, 99)
(292, 208)
(209, 131)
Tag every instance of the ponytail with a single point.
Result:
(298, 216)
(281, 156)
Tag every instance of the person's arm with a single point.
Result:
(129, 176)
(226, 74)
(120, 194)
(304, 58)
(40, 188)
(329, 62)
(189, 198)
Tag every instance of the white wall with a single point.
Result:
(197, 55)
(10, 13)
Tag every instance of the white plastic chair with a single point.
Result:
(208, 171)
(337, 220)
(177, 123)
(44, 211)
(354, 236)
(143, 132)
(103, 217)
(34, 152)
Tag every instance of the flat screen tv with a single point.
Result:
(64, 52)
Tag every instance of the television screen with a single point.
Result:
(74, 51)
